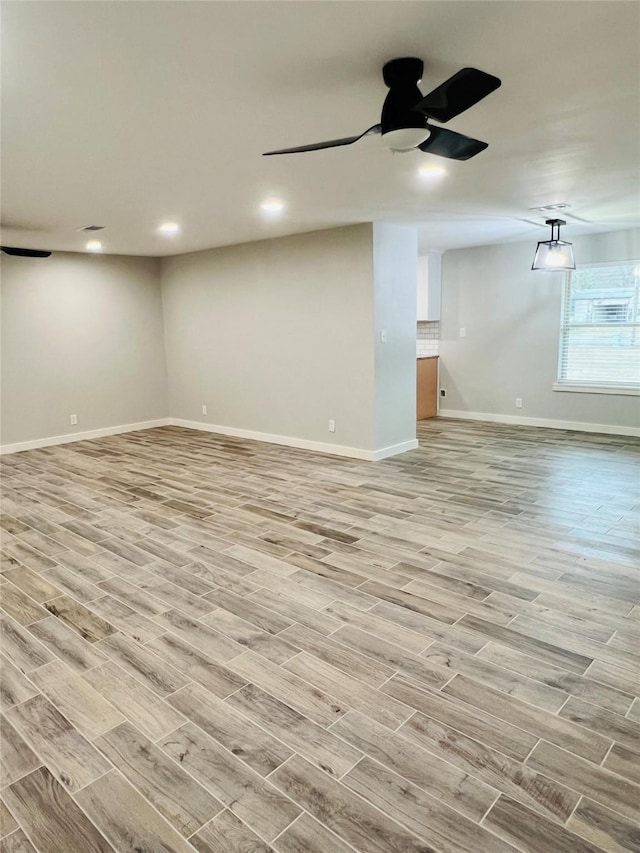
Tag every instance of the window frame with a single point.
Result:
(589, 387)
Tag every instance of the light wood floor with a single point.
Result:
(231, 647)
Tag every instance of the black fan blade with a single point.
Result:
(448, 143)
(457, 94)
(25, 253)
(332, 143)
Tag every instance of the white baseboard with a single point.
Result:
(302, 443)
(394, 449)
(81, 436)
(548, 423)
(288, 441)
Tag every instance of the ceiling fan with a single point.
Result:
(24, 253)
(403, 124)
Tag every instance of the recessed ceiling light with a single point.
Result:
(169, 228)
(94, 246)
(432, 170)
(272, 205)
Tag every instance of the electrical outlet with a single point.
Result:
(443, 392)
(463, 332)
(332, 425)
(73, 420)
(518, 402)
(204, 410)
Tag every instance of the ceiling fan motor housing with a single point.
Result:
(402, 77)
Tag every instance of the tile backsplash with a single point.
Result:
(427, 339)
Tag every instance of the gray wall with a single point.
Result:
(395, 253)
(275, 336)
(81, 334)
(512, 318)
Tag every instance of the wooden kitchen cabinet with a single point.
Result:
(427, 387)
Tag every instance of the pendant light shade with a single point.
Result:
(554, 255)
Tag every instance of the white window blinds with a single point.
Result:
(600, 326)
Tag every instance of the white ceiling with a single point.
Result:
(126, 114)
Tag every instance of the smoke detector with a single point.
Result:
(92, 228)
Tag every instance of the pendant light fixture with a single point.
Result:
(554, 255)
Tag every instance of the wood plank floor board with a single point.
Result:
(227, 834)
(338, 655)
(446, 829)
(86, 623)
(203, 637)
(125, 619)
(433, 629)
(126, 819)
(7, 821)
(179, 798)
(349, 691)
(19, 605)
(438, 777)
(320, 746)
(580, 686)
(253, 744)
(250, 611)
(16, 757)
(21, 647)
(32, 583)
(51, 817)
(17, 842)
(307, 834)
(247, 635)
(71, 583)
(293, 610)
(67, 754)
(321, 707)
(473, 722)
(625, 762)
(529, 645)
(620, 729)
(140, 705)
(497, 770)
(605, 829)
(195, 665)
(149, 669)
(407, 639)
(344, 812)
(435, 653)
(76, 700)
(503, 680)
(542, 724)
(598, 784)
(252, 799)
(133, 597)
(392, 656)
(66, 644)
(14, 686)
(529, 831)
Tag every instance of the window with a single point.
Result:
(600, 328)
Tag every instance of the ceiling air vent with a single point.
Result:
(549, 208)
(92, 228)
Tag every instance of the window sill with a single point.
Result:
(623, 390)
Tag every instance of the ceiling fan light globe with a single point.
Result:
(405, 138)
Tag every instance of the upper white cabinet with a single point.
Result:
(429, 286)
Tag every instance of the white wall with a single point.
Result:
(275, 337)
(511, 316)
(395, 259)
(81, 334)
